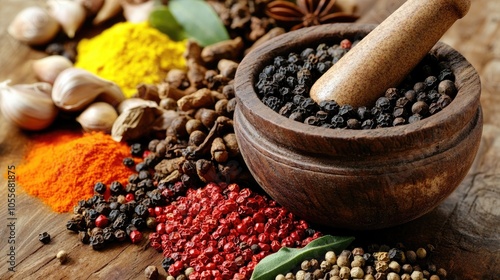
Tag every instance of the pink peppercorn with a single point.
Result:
(135, 236)
(101, 221)
(211, 229)
(345, 44)
(129, 197)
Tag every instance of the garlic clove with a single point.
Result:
(75, 88)
(69, 14)
(109, 9)
(48, 68)
(92, 7)
(34, 26)
(29, 106)
(98, 116)
(137, 12)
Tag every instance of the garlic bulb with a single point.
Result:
(99, 116)
(109, 9)
(48, 68)
(74, 89)
(29, 106)
(137, 12)
(34, 26)
(69, 14)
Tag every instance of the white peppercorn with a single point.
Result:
(345, 272)
(405, 276)
(343, 261)
(305, 265)
(335, 271)
(318, 274)
(407, 268)
(369, 277)
(335, 278)
(393, 276)
(441, 273)
(280, 277)
(290, 276)
(395, 267)
(381, 266)
(170, 277)
(325, 266)
(434, 277)
(300, 275)
(62, 256)
(181, 277)
(357, 272)
(381, 256)
(417, 275)
(188, 271)
(411, 256)
(421, 253)
(331, 257)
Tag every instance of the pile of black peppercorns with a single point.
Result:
(284, 87)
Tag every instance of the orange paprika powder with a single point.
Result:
(62, 167)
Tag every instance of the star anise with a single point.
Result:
(307, 13)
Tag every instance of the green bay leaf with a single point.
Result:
(199, 21)
(286, 259)
(162, 19)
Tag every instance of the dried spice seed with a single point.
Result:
(419, 94)
(44, 237)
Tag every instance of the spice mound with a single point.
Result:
(284, 87)
(129, 54)
(62, 167)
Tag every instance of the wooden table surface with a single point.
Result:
(465, 228)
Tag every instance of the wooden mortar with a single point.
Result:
(356, 179)
(385, 56)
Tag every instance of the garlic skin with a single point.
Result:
(133, 102)
(109, 9)
(75, 88)
(29, 106)
(69, 14)
(48, 68)
(137, 12)
(92, 7)
(34, 26)
(98, 116)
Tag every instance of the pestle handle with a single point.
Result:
(388, 53)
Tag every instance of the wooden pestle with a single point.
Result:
(387, 54)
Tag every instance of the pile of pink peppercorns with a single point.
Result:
(222, 232)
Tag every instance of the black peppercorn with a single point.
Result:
(44, 237)
(141, 166)
(166, 263)
(99, 187)
(116, 188)
(128, 161)
(84, 236)
(141, 210)
(444, 100)
(97, 241)
(136, 150)
(420, 107)
(120, 235)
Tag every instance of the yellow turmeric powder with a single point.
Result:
(129, 54)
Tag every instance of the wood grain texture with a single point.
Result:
(464, 228)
